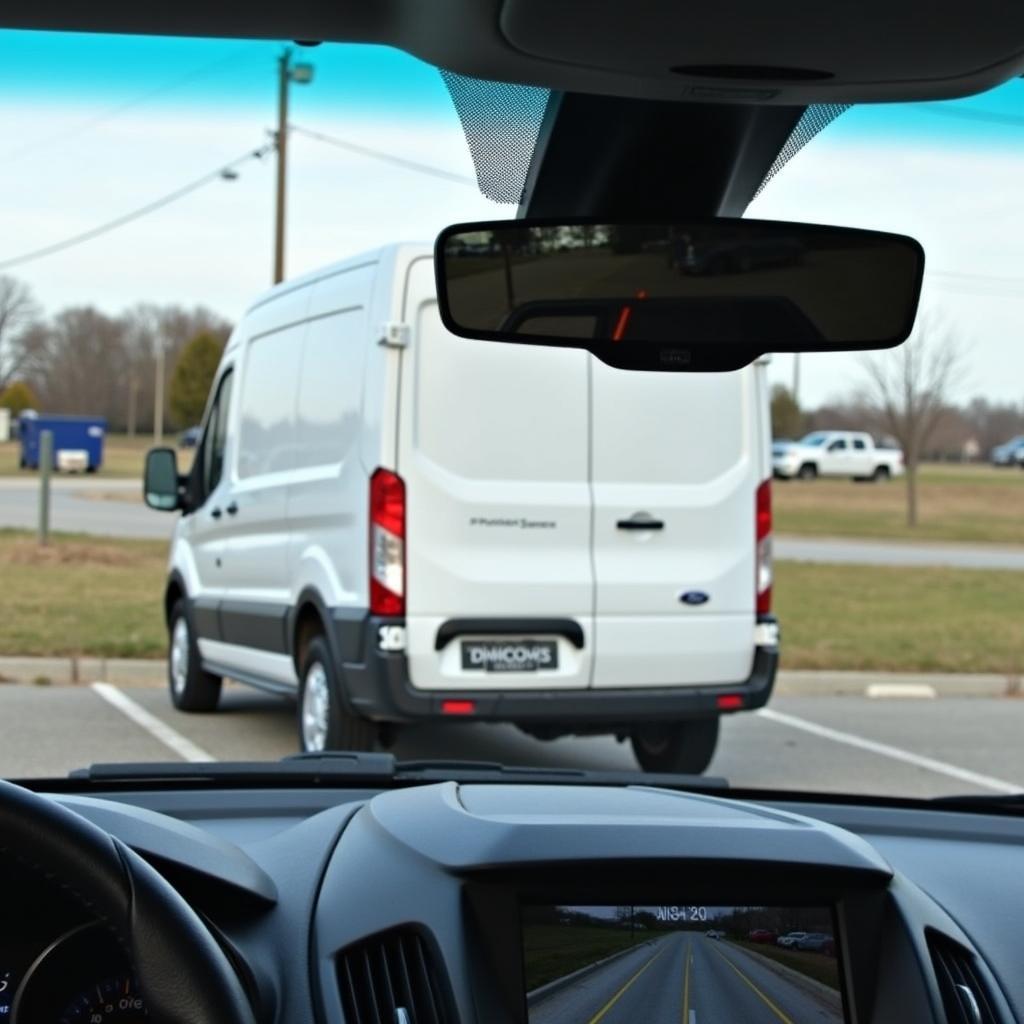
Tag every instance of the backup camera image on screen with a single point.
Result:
(623, 964)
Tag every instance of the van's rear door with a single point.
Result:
(676, 464)
(493, 447)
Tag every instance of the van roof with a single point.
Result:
(396, 251)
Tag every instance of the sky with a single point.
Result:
(97, 126)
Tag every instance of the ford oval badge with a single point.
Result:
(694, 597)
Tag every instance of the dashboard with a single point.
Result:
(452, 903)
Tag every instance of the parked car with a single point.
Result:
(714, 933)
(1009, 453)
(836, 453)
(190, 438)
(338, 514)
(816, 942)
(790, 939)
(763, 935)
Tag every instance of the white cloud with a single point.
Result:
(964, 207)
(215, 246)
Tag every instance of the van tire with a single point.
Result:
(881, 474)
(323, 721)
(685, 747)
(192, 687)
(808, 471)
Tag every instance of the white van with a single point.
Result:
(395, 524)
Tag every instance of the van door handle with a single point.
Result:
(232, 509)
(640, 523)
(216, 513)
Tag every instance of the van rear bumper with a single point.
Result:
(378, 687)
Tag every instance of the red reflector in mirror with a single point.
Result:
(730, 701)
(458, 707)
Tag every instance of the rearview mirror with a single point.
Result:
(161, 486)
(689, 296)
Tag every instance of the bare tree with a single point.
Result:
(909, 387)
(19, 312)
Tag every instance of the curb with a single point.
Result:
(82, 671)
(832, 683)
(539, 994)
(789, 683)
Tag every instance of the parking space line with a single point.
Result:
(160, 731)
(894, 753)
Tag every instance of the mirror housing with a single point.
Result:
(703, 294)
(162, 485)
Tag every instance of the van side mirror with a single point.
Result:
(162, 485)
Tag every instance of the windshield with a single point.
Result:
(385, 537)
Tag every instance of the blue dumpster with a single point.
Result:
(72, 435)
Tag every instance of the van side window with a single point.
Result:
(266, 435)
(837, 446)
(210, 458)
(858, 444)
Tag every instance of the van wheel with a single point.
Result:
(324, 724)
(685, 747)
(808, 471)
(192, 688)
(881, 474)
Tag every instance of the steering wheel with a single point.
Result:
(183, 974)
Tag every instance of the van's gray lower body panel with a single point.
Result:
(378, 687)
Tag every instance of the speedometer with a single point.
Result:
(83, 977)
(115, 999)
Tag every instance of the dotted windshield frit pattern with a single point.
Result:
(501, 122)
(812, 121)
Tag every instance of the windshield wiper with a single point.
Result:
(1008, 803)
(336, 768)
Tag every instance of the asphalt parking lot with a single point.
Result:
(912, 747)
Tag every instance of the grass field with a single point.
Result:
(553, 951)
(84, 595)
(976, 504)
(81, 595)
(123, 457)
(821, 968)
(900, 619)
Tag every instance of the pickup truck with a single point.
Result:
(845, 453)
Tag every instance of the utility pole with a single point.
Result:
(158, 394)
(133, 396)
(796, 377)
(286, 74)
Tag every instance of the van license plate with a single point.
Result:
(510, 655)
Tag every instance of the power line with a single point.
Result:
(391, 158)
(223, 171)
(108, 115)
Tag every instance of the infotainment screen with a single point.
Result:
(680, 964)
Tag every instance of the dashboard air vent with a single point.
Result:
(964, 996)
(392, 978)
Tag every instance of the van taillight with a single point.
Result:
(763, 527)
(387, 543)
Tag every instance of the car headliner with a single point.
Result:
(790, 53)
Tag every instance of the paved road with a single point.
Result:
(880, 552)
(687, 978)
(110, 508)
(836, 744)
(113, 508)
